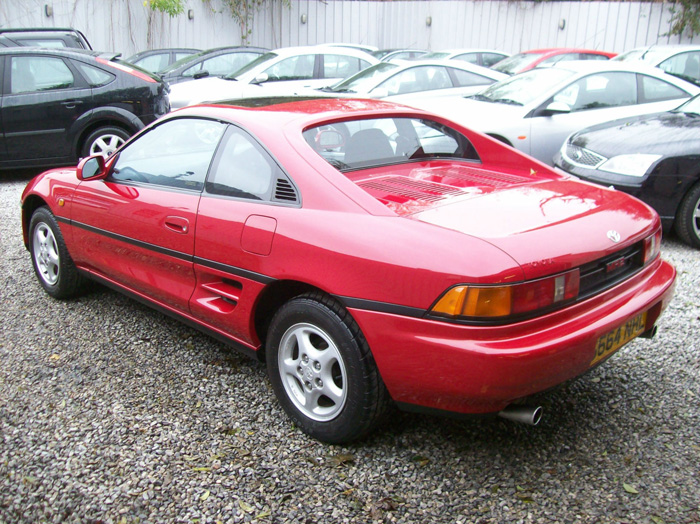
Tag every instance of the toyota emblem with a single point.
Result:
(614, 236)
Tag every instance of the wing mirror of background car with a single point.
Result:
(91, 167)
(555, 108)
(201, 74)
(329, 139)
(261, 79)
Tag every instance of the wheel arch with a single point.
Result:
(30, 204)
(103, 117)
(271, 300)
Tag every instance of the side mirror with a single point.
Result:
(329, 139)
(201, 74)
(555, 108)
(92, 167)
(261, 79)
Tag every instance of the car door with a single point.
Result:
(44, 95)
(245, 194)
(137, 225)
(596, 98)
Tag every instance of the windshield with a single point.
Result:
(691, 106)
(525, 87)
(259, 60)
(364, 80)
(515, 63)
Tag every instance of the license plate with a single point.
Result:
(608, 344)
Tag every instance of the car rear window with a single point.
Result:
(356, 144)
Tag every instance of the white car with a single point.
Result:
(279, 72)
(405, 81)
(482, 57)
(679, 60)
(537, 110)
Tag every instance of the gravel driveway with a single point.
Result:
(111, 412)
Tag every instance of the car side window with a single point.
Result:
(340, 66)
(600, 90)
(466, 78)
(415, 79)
(39, 73)
(242, 168)
(489, 59)
(472, 58)
(215, 66)
(684, 65)
(154, 63)
(294, 68)
(95, 76)
(177, 153)
(656, 90)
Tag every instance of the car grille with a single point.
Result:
(583, 157)
(606, 272)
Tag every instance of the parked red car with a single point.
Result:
(546, 57)
(368, 251)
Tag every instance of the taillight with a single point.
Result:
(468, 302)
(127, 69)
(652, 246)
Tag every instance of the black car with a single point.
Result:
(653, 157)
(155, 60)
(212, 62)
(57, 105)
(44, 37)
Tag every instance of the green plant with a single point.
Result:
(686, 18)
(170, 7)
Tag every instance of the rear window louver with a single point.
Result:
(285, 192)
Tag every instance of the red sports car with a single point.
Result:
(369, 252)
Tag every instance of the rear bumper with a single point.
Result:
(482, 369)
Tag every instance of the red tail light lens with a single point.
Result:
(500, 302)
(127, 69)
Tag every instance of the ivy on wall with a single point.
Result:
(686, 18)
(243, 11)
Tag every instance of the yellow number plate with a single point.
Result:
(608, 344)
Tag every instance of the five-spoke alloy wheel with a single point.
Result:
(53, 265)
(322, 370)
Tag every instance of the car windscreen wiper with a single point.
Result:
(480, 98)
(508, 101)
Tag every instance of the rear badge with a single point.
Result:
(614, 236)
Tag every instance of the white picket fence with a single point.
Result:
(124, 25)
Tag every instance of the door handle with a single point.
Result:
(177, 224)
(71, 104)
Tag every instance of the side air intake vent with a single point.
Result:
(284, 191)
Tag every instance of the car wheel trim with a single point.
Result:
(313, 372)
(696, 219)
(46, 254)
(105, 145)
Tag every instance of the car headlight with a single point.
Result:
(630, 165)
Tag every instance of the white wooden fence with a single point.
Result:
(124, 25)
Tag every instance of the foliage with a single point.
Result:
(170, 7)
(686, 18)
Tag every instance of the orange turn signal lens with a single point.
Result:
(492, 302)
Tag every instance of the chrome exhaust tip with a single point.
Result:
(530, 415)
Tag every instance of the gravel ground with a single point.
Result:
(111, 412)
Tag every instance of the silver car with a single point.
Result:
(537, 110)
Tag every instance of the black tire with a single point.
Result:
(104, 141)
(687, 223)
(52, 263)
(331, 389)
